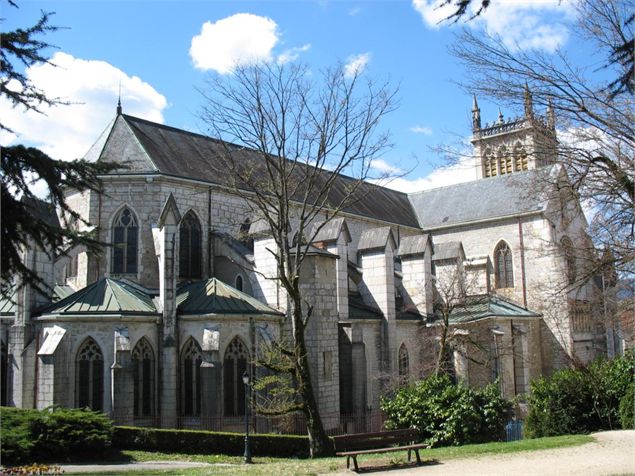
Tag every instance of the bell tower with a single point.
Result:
(512, 145)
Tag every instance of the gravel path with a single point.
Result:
(613, 453)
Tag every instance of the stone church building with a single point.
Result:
(161, 326)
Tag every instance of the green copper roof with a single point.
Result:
(7, 306)
(61, 292)
(482, 306)
(212, 296)
(106, 296)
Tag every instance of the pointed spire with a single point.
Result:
(119, 110)
(476, 115)
(529, 106)
(551, 115)
(500, 116)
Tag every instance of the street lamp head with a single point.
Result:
(246, 378)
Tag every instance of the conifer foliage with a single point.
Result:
(27, 221)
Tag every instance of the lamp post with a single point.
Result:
(247, 445)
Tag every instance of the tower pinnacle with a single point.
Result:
(529, 106)
(476, 115)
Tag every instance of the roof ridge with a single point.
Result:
(243, 147)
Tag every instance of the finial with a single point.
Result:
(119, 100)
(551, 115)
(500, 116)
(529, 106)
(476, 115)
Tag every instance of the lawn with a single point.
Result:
(229, 465)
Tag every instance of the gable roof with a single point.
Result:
(150, 147)
(376, 238)
(448, 250)
(213, 296)
(488, 198)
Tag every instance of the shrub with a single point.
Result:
(446, 413)
(53, 434)
(579, 400)
(207, 442)
(16, 445)
(627, 408)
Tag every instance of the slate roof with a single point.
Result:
(331, 231)
(482, 306)
(413, 245)
(448, 250)
(105, 296)
(42, 211)
(358, 309)
(212, 296)
(185, 154)
(495, 197)
(375, 238)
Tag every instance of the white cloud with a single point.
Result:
(292, 54)
(356, 64)
(354, 11)
(384, 167)
(463, 171)
(537, 24)
(67, 131)
(426, 131)
(240, 39)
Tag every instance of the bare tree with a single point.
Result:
(597, 146)
(617, 41)
(297, 133)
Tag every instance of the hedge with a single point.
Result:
(207, 442)
(53, 434)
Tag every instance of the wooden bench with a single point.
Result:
(380, 442)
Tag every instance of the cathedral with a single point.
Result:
(160, 327)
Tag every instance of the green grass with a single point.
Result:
(227, 465)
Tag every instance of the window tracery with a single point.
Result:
(125, 234)
(190, 256)
(504, 266)
(89, 376)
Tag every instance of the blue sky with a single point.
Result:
(162, 51)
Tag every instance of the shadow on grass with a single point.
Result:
(396, 466)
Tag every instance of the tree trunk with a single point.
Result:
(319, 442)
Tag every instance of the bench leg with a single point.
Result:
(355, 463)
(418, 458)
(409, 456)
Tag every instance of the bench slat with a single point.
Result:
(384, 450)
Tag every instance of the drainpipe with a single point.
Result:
(522, 261)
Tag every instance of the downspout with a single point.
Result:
(37, 369)
(97, 257)
(210, 248)
(522, 261)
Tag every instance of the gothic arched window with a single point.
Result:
(234, 366)
(190, 256)
(504, 161)
(125, 237)
(239, 283)
(504, 266)
(569, 259)
(143, 367)
(520, 157)
(489, 163)
(191, 360)
(89, 376)
(404, 365)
